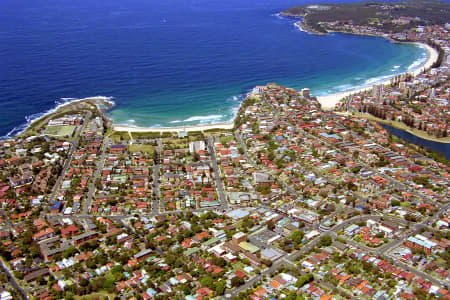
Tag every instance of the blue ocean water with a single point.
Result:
(173, 62)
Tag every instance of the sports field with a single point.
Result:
(60, 130)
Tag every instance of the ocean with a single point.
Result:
(173, 62)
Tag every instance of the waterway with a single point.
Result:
(443, 148)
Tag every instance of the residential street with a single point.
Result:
(13, 281)
(66, 165)
(156, 209)
(217, 174)
(100, 163)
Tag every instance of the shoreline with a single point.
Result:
(190, 128)
(329, 102)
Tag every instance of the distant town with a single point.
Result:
(294, 202)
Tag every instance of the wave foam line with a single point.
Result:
(417, 63)
(300, 28)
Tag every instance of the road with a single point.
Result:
(5, 217)
(289, 259)
(392, 181)
(255, 165)
(13, 281)
(100, 163)
(66, 165)
(220, 190)
(156, 172)
(286, 260)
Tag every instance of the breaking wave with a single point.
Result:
(417, 63)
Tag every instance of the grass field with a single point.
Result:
(60, 130)
(146, 135)
(145, 148)
(120, 136)
(226, 139)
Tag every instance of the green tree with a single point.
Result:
(304, 279)
(237, 281)
(395, 203)
(69, 252)
(109, 283)
(220, 287)
(326, 240)
(207, 281)
(297, 236)
(270, 225)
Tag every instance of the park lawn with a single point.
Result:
(226, 139)
(119, 136)
(146, 135)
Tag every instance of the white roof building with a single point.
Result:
(311, 234)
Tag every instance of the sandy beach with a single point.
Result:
(330, 101)
(127, 128)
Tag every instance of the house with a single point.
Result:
(43, 234)
(245, 246)
(197, 146)
(52, 246)
(261, 178)
(254, 260)
(56, 207)
(85, 237)
(118, 149)
(271, 254)
(240, 274)
(237, 214)
(34, 275)
(69, 231)
(143, 254)
(351, 230)
(239, 238)
(420, 242)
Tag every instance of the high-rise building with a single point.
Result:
(377, 91)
